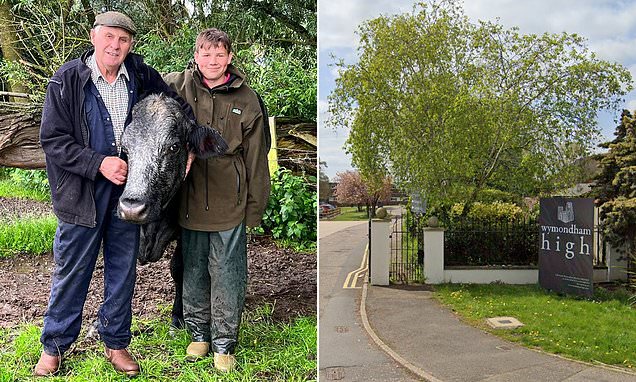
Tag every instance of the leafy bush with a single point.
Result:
(286, 82)
(168, 55)
(33, 180)
(490, 212)
(291, 211)
(492, 195)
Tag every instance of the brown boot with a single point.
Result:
(122, 361)
(47, 365)
(224, 362)
(197, 350)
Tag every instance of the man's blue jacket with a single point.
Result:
(71, 163)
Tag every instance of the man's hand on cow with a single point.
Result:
(191, 157)
(114, 169)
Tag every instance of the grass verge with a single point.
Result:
(267, 352)
(350, 214)
(600, 330)
(33, 235)
(10, 189)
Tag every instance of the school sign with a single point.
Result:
(566, 243)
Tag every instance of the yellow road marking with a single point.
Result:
(357, 275)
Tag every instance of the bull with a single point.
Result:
(158, 142)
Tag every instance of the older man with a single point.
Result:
(88, 104)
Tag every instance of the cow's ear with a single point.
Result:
(206, 142)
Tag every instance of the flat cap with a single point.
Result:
(115, 19)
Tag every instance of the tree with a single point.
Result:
(47, 34)
(352, 189)
(324, 189)
(451, 107)
(615, 188)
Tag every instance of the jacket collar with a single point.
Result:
(237, 78)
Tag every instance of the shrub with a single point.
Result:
(34, 180)
(290, 216)
(489, 212)
(492, 195)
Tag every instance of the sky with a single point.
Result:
(608, 26)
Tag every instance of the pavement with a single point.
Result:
(430, 341)
(346, 352)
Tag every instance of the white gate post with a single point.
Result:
(434, 255)
(380, 255)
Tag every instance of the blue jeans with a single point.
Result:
(214, 285)
(75, 252)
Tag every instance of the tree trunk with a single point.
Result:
(8, 45)
(19, 139)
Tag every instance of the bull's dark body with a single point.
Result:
(158, 141)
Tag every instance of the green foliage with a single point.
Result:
(489, 212)
(286, 82)
(573, 327)
(615, 190)
(48, 35)
(32, 235)
(35, 180)
(267, 351)
(492, 195)
(475, 105)
(168, 54)
(290, 216)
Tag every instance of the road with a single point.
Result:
(345, 351)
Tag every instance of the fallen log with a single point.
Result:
(20, 135)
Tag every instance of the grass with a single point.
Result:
(351, 214)
(33, 235)
(267, 352)
(599, 330)
(10, 189)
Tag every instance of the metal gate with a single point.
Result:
(407, 249)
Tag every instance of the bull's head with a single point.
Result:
(157, 143)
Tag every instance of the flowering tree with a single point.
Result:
(353, 189)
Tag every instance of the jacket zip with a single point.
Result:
(238, 184)
(91, 188)
(207, 204)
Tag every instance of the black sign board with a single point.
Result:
(566, 245)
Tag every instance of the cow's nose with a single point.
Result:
(132, 210)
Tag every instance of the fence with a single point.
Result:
(407, 249)
(332, 213)
(479, 243)
(471, 242)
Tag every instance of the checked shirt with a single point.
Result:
(115, 96)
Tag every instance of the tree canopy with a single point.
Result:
(353, 189)
(450, 107)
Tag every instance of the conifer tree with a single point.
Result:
(616, 189)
